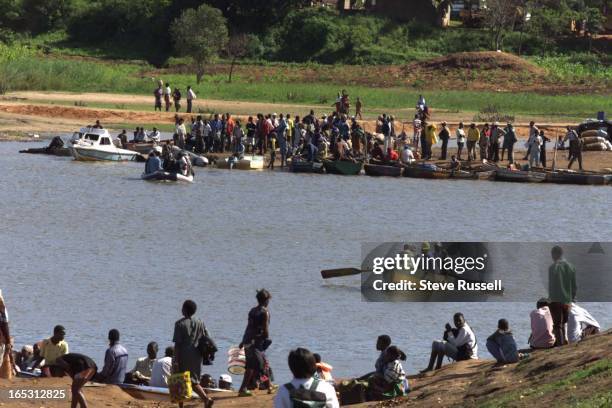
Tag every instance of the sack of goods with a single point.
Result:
(593, 139)
(597, 146)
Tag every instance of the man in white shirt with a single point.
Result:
(459, 344)
(155, 135)
(580, 324)
(407, 156)
(190, 97)
(303, 365)
(162, 369)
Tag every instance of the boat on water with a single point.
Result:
(55, 148)
(431, 171)
(254, 162)
(93, 144)
(303, 166)
(521, 176)
(347, 168)
(382, 170)
(576, 177)
(140, 147)
(167, 176)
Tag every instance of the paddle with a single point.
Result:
(339, 272)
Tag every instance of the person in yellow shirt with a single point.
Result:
(52, 348)
(473, 137)
(431, 138)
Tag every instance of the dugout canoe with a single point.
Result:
(143, 392)
(302, 166)
(382, 170)
(438, 173)
(519, 176)
(342, 167)
(52, 151)
(575, 177)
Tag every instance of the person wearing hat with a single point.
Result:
(52, 348)
(407, 157)
(225, 382)
(444, 135)
(542, 335)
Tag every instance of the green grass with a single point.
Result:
(600, 368)
(31, 72)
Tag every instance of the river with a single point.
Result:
(92, 247)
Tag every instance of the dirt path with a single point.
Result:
(33, 112)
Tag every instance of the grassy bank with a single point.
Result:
(25, 70)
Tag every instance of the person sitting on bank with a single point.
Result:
(323, 370)
(501, 344)
(459, 344)
(115, 361)
(390, 381)
(542, 335)
(580, 324)
(81, 369)
(162, 369)
(153, 162)
(304, 389)
(50, 349)
(141, 373)
(25, 358)
(392, 155)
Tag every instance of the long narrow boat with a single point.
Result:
(571, 177)
(143, 392)
(342, 167)
(302, 166)
(52, 151)
(428, 172)
(250, 163)
(520, 176)
(382, 170)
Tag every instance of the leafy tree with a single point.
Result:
(501, 16)
(237, 47)
(45, 15)
(10, 15)
(200, 34)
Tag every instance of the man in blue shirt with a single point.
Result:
(153, 163)
(115, 361)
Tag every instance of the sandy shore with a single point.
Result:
(31, 112)
(556, 377)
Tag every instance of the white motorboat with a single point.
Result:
(93, 144)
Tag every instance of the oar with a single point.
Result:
(339, 272)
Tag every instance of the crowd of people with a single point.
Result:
(340, 136)
(556, 321)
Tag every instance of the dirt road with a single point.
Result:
(32, 112)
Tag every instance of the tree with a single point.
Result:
(45, 15)
(237, 47)
(200, 34)
(593, 23)
(500, 16)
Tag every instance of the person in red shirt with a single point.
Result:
(392, 155)
(229, 131)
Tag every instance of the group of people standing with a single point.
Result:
(171, 97)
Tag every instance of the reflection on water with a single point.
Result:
(92, 247)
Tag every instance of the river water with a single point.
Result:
(92, 247)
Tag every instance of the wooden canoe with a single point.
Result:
(382, 170)
(53, 151)
(302, 166)
(582, 178)
(520, 176)
(429, 173)
(346, 168)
